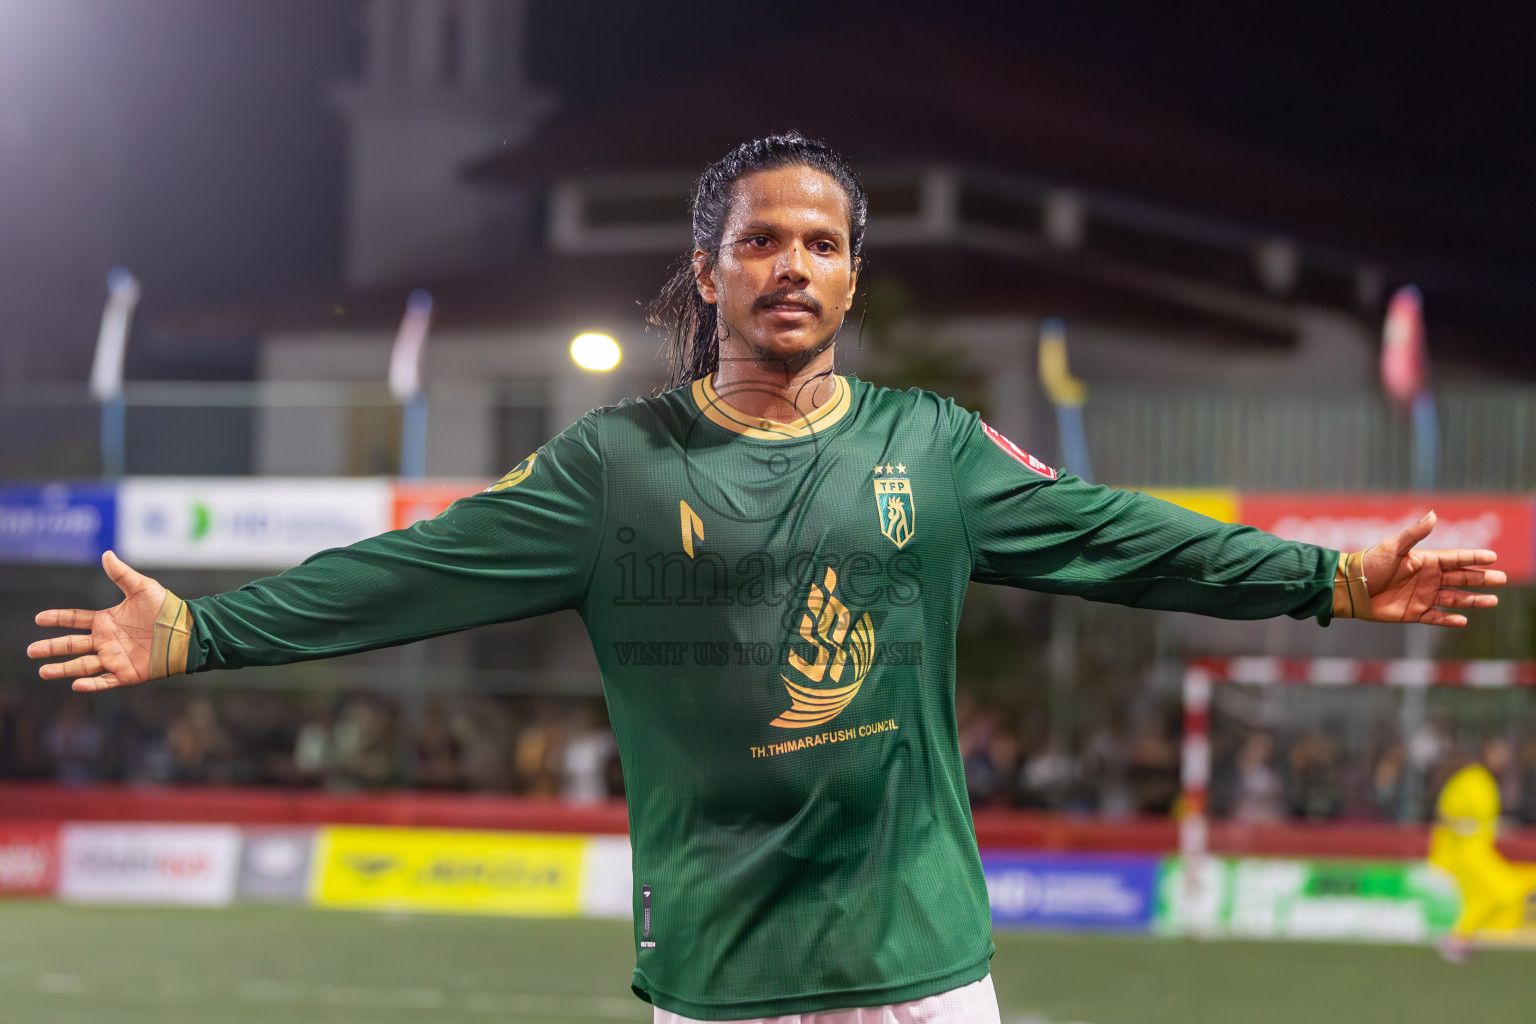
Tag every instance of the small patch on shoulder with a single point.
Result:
(1018, 454)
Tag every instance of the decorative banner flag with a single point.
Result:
(1404, 361)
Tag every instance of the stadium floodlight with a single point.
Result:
(596, 352)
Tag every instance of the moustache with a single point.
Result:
(787, 295)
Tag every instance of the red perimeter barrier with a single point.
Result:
(255, 806)
(995, 829)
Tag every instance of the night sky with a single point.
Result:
(231, 169)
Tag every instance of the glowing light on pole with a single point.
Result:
(596, 352)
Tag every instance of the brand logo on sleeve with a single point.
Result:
(837, 642)
(518, 474)
(1018, 454)
(893, 503)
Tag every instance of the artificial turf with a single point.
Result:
(69, 965)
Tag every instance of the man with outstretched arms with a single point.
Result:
(770, 559)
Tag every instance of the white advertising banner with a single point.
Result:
(245, 523)
(607, 884)
(129, 863)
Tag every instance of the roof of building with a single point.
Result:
(934, 97)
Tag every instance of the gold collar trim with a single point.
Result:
(722, 413)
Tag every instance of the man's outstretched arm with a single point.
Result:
(523, 548)
(1028, 529)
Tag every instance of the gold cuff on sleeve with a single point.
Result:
(1351, 597)
(173, 634)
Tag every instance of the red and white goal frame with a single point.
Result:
(1203, 675)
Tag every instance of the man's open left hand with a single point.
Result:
(1421, 586)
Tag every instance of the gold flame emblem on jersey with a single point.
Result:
(898, 518)
(828, 628)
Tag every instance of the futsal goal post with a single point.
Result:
(1203, 676)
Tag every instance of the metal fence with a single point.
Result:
(1287, 440)
(1243, 438)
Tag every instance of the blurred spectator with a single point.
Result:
(1432, 757)
(360, 754)
(1105, 763)
(562, 748)
(73, 743)
(21, 729)
(312, 746)
(141, 726)
(1501, 758)
(1526, 769)
(1259, 797)
(588, 747)
(982, 781)
(1153, 771)
(199, 747)
(485, 733)
(1315, 775)
(437, 752)
(260, 733)
(534, 760)
(1047, 778)
(1387, 777)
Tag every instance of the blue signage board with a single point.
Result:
(58, 523)
(1099, 892)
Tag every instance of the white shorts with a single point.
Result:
(975, 1003)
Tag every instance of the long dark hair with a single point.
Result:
(690, 325)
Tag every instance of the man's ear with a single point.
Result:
(704, 275)
(853, 283)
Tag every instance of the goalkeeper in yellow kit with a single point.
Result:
(1497, 896)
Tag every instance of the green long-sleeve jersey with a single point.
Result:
(773, 607)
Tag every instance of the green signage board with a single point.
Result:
(1332, 900)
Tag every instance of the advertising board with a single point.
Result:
(415, 500)
(1219, 503)
(250, 523)
(57, 523)
(1353, 522)
(463, 872)
(131, 863)
(275, 865)
(1073, 891)
(607, 879)
(29, 859)
(1254, 898)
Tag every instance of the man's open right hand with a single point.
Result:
(116, 649)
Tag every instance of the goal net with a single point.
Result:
(1307, 785)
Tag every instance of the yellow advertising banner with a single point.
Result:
(1218, 503)
(450, 871)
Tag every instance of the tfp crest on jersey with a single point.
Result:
(893, 502)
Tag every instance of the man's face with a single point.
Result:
(785, 276)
